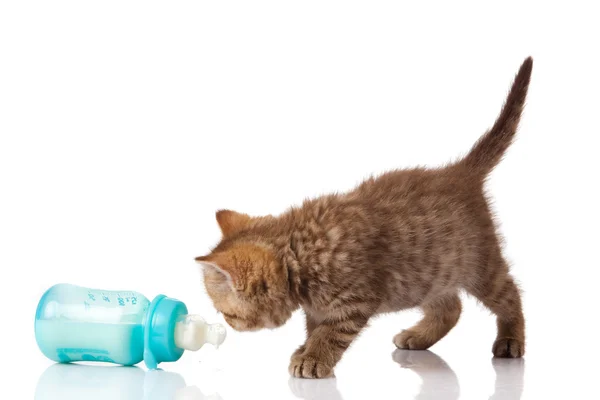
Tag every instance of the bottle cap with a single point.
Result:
(159, 331)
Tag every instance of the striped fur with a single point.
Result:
(407, 238)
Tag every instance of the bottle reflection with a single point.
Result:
(73, 381)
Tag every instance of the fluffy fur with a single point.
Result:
(408, 238)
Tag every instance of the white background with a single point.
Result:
(125, 125)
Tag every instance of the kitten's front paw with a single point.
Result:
(508, 348)
(411, 340)
(308, 366)
(299, 351)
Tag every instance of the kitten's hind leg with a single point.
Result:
(500, 294)
(440, 316)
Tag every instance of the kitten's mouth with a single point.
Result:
(240, 324)
(230, 316)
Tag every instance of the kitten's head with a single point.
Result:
(244, 278)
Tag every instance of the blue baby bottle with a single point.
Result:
(74, 323)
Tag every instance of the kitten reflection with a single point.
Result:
(510, 374)
(315, 389)
(74, 381)
(439, 380)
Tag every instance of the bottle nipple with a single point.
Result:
(192, 332)
(215, 334)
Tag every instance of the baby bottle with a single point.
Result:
(74, 323)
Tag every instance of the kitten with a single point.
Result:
(408, 238)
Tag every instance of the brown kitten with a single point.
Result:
(408, 238)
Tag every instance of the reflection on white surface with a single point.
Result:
(439, 381)
(73, 381)
(509, 378)
(315, 389)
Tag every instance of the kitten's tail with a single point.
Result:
(487, 152)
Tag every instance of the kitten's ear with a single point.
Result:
(206, 261)
(231, 222)
(219, 264)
